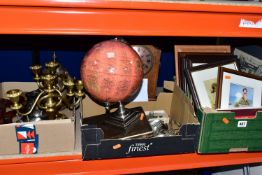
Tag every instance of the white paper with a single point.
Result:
(143, 93)
(250, 24)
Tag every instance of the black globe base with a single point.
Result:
(123, 117)
(122, 124)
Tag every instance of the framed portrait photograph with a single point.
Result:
(195, 49)
(238, 90)
(202, 81)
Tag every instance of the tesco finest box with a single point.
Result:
(175, 104)
(54, 136)
(223, 132)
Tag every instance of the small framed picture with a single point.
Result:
(195, 49)
(238, 90)
(202, 81)
(189, 60)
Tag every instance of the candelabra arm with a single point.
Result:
(60, 94)
(61, 97)
(53, 105)
(75, 104)
(61, 89)
(33, 106)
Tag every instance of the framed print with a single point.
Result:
(197, 59)
(195, 49)
(238, 90)
(202, 81)
(189, 60)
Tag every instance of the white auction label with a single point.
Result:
(242, 124)
(250, 24)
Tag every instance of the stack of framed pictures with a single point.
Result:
(202, 82)
(227, 101)
(193, 60)
(181, 50)
(213, 80)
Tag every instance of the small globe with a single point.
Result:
(111, 71)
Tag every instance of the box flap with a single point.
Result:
(182, 110)
(169, 85)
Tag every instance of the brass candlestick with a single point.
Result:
(52, 97)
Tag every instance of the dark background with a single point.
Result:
(18, 52)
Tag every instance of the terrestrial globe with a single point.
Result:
(111, 71)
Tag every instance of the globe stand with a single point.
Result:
(122, 124)
(123, 117)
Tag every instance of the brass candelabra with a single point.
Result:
(57, 90)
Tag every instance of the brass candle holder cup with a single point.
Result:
(14, 96)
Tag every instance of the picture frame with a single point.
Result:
(195, 49)
(238, 90)
(202, 87)
(189, 60)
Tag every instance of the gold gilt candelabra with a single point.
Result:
(56, 91)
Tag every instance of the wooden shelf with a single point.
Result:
(74, 164)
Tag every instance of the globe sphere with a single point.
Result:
(111, 71)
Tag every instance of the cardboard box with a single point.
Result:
(223, 132)
(181, 114)
(54, 136)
